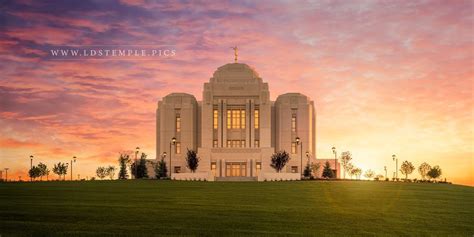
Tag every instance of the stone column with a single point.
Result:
(224, 168)
(252, 123)
(247, 124)
(220, 117)
(224, 125)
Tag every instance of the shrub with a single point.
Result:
(279, 160)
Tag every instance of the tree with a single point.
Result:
(60, 169)
(124, 160)
(423, 169)
(356, 172)
(379, 177)
(279, 160)
(346, 157)
(307, 171)
(315, 168)
(160, 169)
(142, 171)
(34, 172)
(43, 170)
(101, 172)
(192, 160)
(350, 167)
(110, 171)
(327, 171)
(407, 168)
(434, 172)
(140, 168)
(369, 174)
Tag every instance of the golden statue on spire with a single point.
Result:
(235, 53)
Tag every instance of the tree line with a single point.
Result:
(41, 170)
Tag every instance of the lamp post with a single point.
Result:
(31, 166)
(172, 143)
(298, 142)
(335, 161)
(6, 174)
(394, 157)
(385, 168)
(72, 161)
(163, 157)
(137, 150)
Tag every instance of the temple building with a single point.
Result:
(236, 128)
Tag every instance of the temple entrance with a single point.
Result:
(235, 169)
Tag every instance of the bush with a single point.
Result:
(279, 160)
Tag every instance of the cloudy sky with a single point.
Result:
(387, 77)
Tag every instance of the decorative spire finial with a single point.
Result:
(235, 52)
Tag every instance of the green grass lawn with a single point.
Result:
(150, 207)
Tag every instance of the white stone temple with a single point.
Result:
(236, 128)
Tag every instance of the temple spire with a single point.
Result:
(235, 52)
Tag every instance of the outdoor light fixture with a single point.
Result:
(137, 150)
(172, 143)
(335, 161)
(396, 165)
(298, 142)
(31, 165)
(72, 161)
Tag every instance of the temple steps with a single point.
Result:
(236, 179)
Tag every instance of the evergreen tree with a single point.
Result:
(307, 171)
(327, 171)
(192, 160)
(161, 170)
(124, 159)
(142, 172)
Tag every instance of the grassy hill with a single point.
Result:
(150, 207)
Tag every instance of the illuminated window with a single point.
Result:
(294, 169)
(293, 148)
(229, 119)
(214, 120)
(213, 166)
(242, 143)
(236, 119)
(258, 167)
(257, 143)
(214, 143)
(229, 143)
(293, 122)
(257, 118)
(178, 123)
(177, 146)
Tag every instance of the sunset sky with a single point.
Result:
(387, 77)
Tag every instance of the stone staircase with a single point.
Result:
(236, 179)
